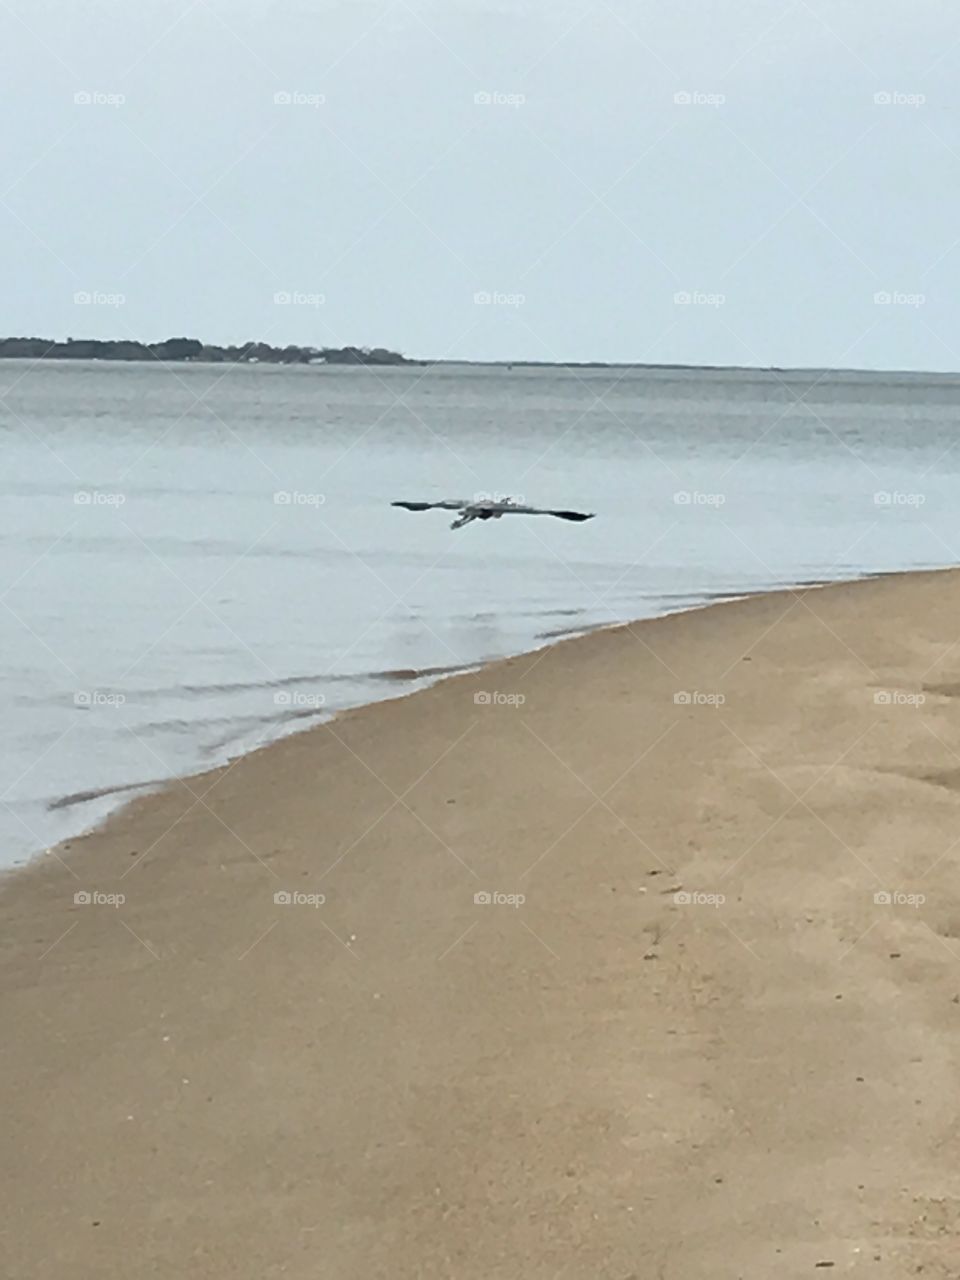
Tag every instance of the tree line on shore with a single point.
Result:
(193, 349)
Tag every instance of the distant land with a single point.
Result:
(191, 349)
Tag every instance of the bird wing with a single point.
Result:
(448, 504)
(545, 511)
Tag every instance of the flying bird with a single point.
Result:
(489, 510)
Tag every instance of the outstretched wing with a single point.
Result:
(545, 511)
(448, 504)
(571, 515)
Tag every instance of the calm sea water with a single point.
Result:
(195, 560)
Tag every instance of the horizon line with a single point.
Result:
(508, 363)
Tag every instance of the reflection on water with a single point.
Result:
(198, 560)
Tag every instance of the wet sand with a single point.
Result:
(685, 1037)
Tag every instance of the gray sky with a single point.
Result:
(580, 195)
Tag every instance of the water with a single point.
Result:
(204, 614)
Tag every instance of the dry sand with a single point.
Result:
(604, 1081)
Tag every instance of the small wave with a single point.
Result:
(585, 628)
(417, 673)
(98, 793)
(158, 693)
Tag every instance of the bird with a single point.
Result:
(488, 509)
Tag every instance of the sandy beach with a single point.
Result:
(702, 1020)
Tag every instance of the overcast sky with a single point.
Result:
(371, 173)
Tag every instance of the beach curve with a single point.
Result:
(568, 953)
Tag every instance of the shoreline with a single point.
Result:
(425, 362)
(151, 786)
(677, 972)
